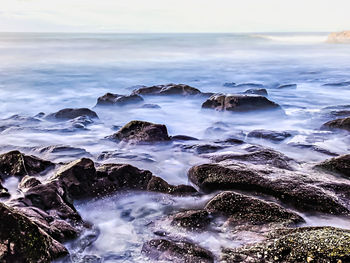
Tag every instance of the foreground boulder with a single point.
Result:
(141, 132)
(239, 103)
(15, 163)
(309, 244)
(23, 241)
(339, 37)
(69, 114)
(343, 124)
(339, 165)
(176, 251)
(111, 99)
(169, 89)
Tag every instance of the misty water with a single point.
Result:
(49, 72)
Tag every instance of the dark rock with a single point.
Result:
(289, 189)
(150, 106)
(338, 84)
(192, 219)
(169, 89)
(110, 99)
(339, 165)
(4, 193)
(183, 138)
(23, 241)
(157, 184)
(57, 151)
(176, 251)
(68, 114)
(142, 132)
(313, 148)
(252, 85)
(239, 103)
(275, 136)
(229, 84)
(307, 244)
(203, 148)
(343, 124)
(243, 209)
(15, 163)
(28, 182)
(262, 92)
(287, 86)
(231, 141)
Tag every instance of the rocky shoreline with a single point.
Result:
(252, 188)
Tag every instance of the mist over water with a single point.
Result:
(49, 72)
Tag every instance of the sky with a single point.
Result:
(174, 15)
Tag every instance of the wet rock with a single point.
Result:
(338, 84)
(262, 92)
(144, 157)
(343, 124)
(169, 89)
(339, 165)
(110, 99)
(150, 106)
(231, 141)
(69, 113)
(157, 184)
(23, 241)
(291, 189)
(243, 209)
(61, 151)
(287, 86)
(183, 138)
(142, 132)
(204, 148)
(275, 136)
(15, 163)
(80, 123)
(28, 182)
(229, 84)
(4, 193)
(176, 251)
(239, 103)
(249, 85)
(307, 244)
(313, 148)
(192, 219)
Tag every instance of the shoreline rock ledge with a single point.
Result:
(339, 37)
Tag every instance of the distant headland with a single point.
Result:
(339, 37)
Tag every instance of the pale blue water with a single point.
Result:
(48, 72)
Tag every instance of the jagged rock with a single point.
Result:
(239, 103)
(28, 182)
(307, 244)
(275, 136)
(142, 132)
(176, 251)
(110, 99)
(339, 165)
(262, 92)
(343, 124)
(169, 89)
(192, 219)
(69, 114)
(15, 163)
(23, 241)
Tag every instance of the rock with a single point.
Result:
(229, 84)
(339, 165)
(28, 182)
(110, 99)
(338, 84)
(243, 209)
(150, 106)
(231, 141)
(176, 251)
(287, 86)
(15, 163)
(339, 37)
(69, 114)
(183, 138)
(262, 92)
(157, 184)
(313, 148)
(251, 85)
(169, 89)
(343, 124)
(61, 151)
(192, 219)
(23, 241)
(4, 193)
(293, 190)
(275, 136)
(239, 103)
(203, 148)
(306, 244)
(142, 132)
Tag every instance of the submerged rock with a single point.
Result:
(343, 124)
(141, 132)
(339, 165)
(15, 163)
(276, 136)
(287, 86)
(111, 99)
(169, 89)
(176, 251)
(69, 113)
(307, 244)
(262, 92)
(23, 241)
(239, 103)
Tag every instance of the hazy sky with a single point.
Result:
(174, 15)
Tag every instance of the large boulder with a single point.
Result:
(239, 103)
(176, 251)
(339, 37)
(308, 244)
(111, 99)
(343, 124)
(339, 165)
(142, 132)
(69, 114)
(291, 189)
(169, 89)
(23, 241)
(15, 163)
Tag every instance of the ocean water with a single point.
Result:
(49, 72)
